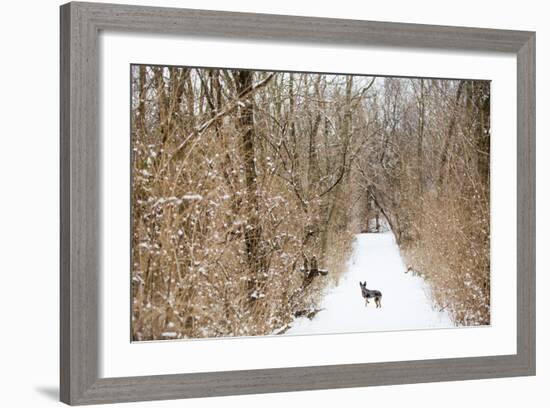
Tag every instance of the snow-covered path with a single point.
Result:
(405, 298)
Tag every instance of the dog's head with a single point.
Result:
(363, 285)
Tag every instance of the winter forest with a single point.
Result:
(255, 194)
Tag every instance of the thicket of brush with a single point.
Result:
(239, 183)
(247, 185)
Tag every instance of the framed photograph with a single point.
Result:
(261, 203)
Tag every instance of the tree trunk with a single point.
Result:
(450, 130)
(252, 231)
(419, 150)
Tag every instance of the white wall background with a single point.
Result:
(29, 203)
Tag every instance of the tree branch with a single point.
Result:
(230, 107)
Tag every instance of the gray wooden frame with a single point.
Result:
(80, 192)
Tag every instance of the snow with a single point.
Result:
(257, 295)
(405, 302)
(191, 197)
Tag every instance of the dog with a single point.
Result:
(369, 294)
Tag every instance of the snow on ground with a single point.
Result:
(406, 300)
